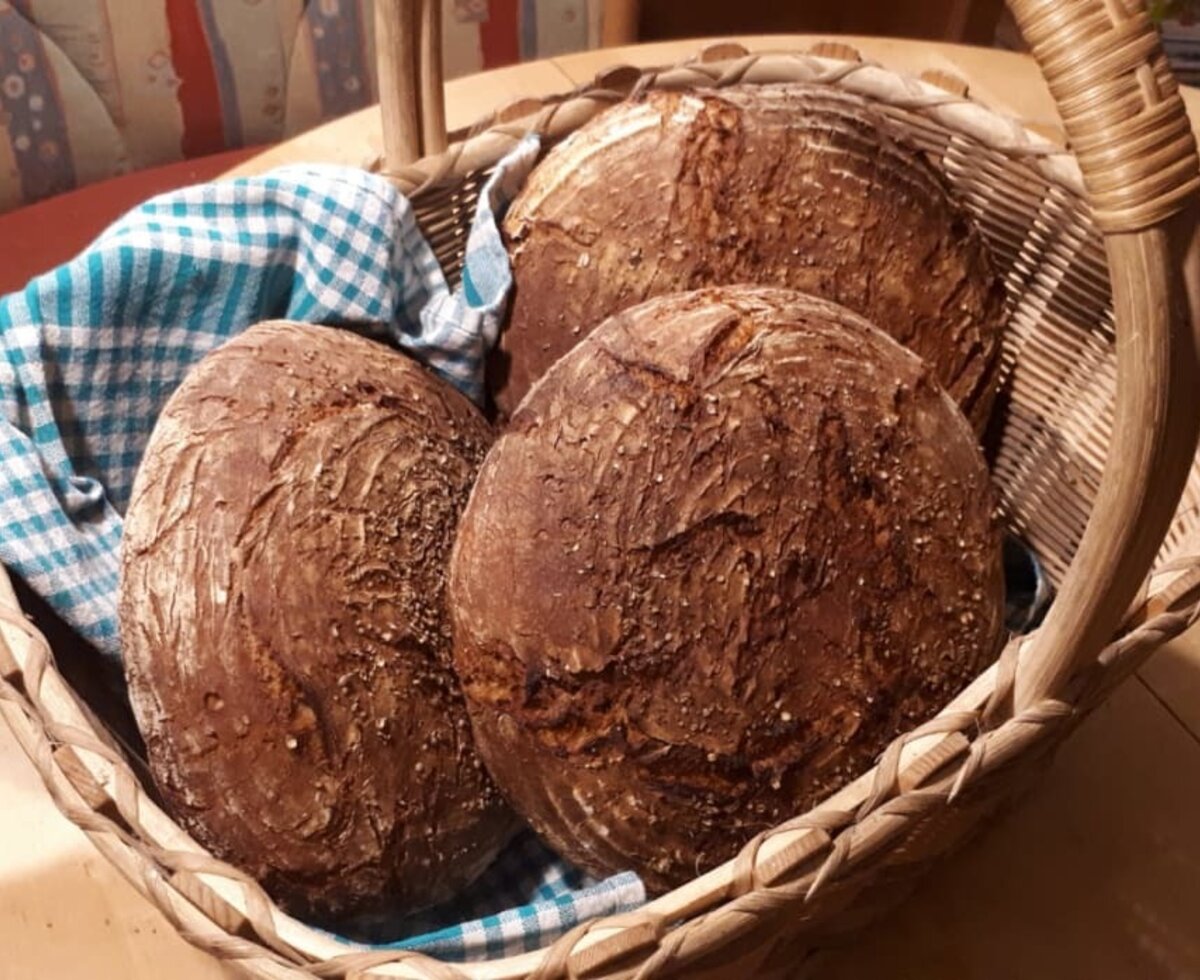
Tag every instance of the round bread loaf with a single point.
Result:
(745, 539)
(776, 185)
(284, 623)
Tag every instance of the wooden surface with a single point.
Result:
(1094, 876)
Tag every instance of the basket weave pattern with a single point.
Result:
(827, 870)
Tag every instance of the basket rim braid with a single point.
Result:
(939, 96)
(1136, 163)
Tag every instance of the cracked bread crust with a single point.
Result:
(284, 621)
(792, 186)
(729, 547)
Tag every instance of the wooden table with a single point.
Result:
(1096, 876)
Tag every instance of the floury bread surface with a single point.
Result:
(729, 546)
(284, 621)
(793, 186)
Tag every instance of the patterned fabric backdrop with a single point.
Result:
(94, 88)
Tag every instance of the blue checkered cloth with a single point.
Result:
(90, 352)
(542, 897)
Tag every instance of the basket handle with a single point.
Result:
(408, 52)
(1128, 127)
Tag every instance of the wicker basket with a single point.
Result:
(1082, 383)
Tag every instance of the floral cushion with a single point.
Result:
(94, 88)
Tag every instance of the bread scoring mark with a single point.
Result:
(786, 185)
(306, 585)
(729, 527)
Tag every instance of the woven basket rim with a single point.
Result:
(216, 907)
(484, 144)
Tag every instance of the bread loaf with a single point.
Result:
(745, 540)
(793, 186)
(284, 624)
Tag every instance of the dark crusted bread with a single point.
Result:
(729, 547)
(284, 621)
(794, 186)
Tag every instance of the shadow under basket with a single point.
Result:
(1069, 257)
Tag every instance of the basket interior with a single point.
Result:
(1053, 420)
(1048, 441)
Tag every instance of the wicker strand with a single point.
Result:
(429, 71)
(1121, 109)
(396, 44)
(1000, 704)
(888, 774)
